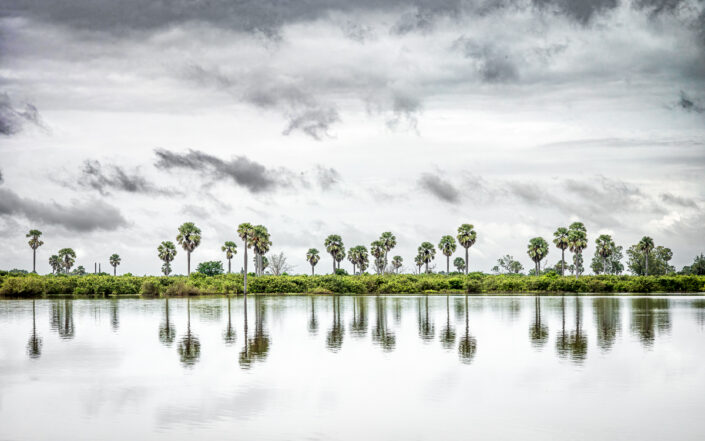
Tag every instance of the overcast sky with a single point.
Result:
(120, 120)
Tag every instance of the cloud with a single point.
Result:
(314, 122)
(113, 177)
(327, 177)
(689, 104)
(2, 180)
(493, 63)
(678, 200)
(84, 217)
(242, 171)
(582, 11)
(439, 187)
(12, 120)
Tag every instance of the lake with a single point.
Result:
(354, 368)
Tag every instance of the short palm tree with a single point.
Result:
(577, 242)
(166, 252)
(352, 258)
(340, 256)
(447, 246)
(260, 245)
(230, 250)
(189, 238)
(459, 264)
(67, 256)
(397, 262)
(466, 238)
(377, 250)
(388, 241)
(114, 261)
(333, 244)
(34, 243)
(55, 264)
(646, 245)
(363, 258)
(427, 253)
(418, 260)
(560, 239)
(246, 232)
(313, 257)
(537, 250)
(605, 247)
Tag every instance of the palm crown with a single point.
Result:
(466, 235)
(189, 236)
(229, 248)
(447, 245)
(167, 251)
(34, 241)
(115, 260)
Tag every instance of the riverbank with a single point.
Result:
(198, 284)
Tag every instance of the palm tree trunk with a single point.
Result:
(447, 265)
(426, 267)
(245, 280)
(34, 260)
(229, 264)
(333, 256)
(353, 269)
(604, 266)
(538, 268)
(563, 262)
(188, 262)
(646, 264)
(313, 272)
(466, 261)
(115, 271)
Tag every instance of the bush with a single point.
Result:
(149, 289)
(182, 289)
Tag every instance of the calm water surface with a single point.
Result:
(354, 368)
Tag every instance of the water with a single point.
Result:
(350, 368)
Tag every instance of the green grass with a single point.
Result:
(31, 285)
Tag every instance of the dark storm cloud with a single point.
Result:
(582, 11)
(439, 187)
(689, 104)
(677, 200)
(13, 120)
(493, 63)
(246, 173)
(92, 215)
(112, 177)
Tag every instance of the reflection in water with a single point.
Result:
(34, 345)
(313, 321)
(448, 333)
(649, 317)
(468, 344)
(607, 321)
(167, 332)
(189, 347)
(397, 311)
(426, 328)
(337, 331)
(538, 331)
(256, 348)
(114, 317)
(358, 328)
(62, 319)
(381, 334)
(229, 333)
(578, 340)
(699, 306)
(562, 338)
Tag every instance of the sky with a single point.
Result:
(121, 120)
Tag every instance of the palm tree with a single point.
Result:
(361, 257)
(352, 257)
(34, 243)
(418, 260)
(397, 262)
(388, 241)
(55, 264)
(189, 238)
(459, 264)
(230, 250)
(447, 246)
(260, 245)
(560, 239)
(466, 237)
(189, 347)
(537, 250)
(246, 232)
(313, 257)
(114, 261)
(333, 244)
(339, 256)
(34, 345)
(377, 251)
(67, 256)
(605, 246)
(427, 253)
(645, 245)
(166, 252)
(577, 242)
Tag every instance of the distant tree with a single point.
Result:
(210, 268)
(260, 245)
(189, 237)
(278, 264)
(418, 260)
(246, 232)
(388, 241)
(657, 260)
(79, 271)
(363, 258)
(466, 238)
(537, 250)
(339, 256)
(67, 257)
(379, 264)
(447, 246)
(55, 263)
(577, 242)
(230, 250)
(427, 253)
(166, 252)
(561, 240)
(166, 268)
(645, 245)
(459, 264)
(34, 243)
(333, 244)
(356, 256)
(611, 264)
(115, 261)
(313, 257)
(697, 268)
(377, 251)
(508, 264)
(397, 262)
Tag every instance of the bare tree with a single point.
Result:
(278, 264)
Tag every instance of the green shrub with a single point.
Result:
(182, 289)
(149, 288)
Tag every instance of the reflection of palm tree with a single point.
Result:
(380, 332)
(114, 317)
(577, 340)
(62, 319)
(448, 333)
(649, 316)
(167, 332)
(313, 322)
(34, 345)
(229, 333)
(189, 347)
(358, 327)
(426, 328)
(337, 331)
(256, 348)
(538, 331)
(607, 320)
(562, 339)
(468, 345)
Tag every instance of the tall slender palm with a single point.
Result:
(114, 261)
(427, 253)
(166, 252)
(537, 250)
(377, 251)
(67, 256)
(230, 250)
(560, 239)
(447, 246)
(363, 260)
(260, 245)
(466, 237)
(189, 238)
(246, 232)
(577, 242)
(313, 257)
(333, 244)
(34, 243)
(55, 264)
(646, 245)
(389, 241)
(397, 262)
(605, 247)
(418, 260)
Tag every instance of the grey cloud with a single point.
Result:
(689, 104)
(314, 122)
(327, 177)
(493, 63)
(678, 200)
(2, 180)
(439, 187)
(242, 171)
(582, 11)
(92, 215)
(358, 32)
(113, 177)
(13, 120)
(405, 109)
